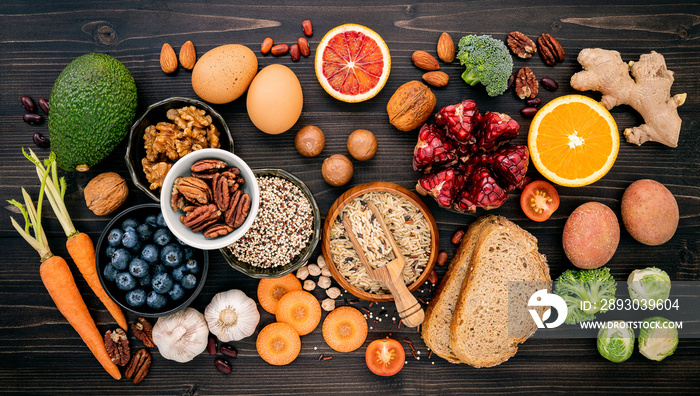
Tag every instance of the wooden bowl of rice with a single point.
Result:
(413, 228)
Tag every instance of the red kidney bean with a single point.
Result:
(222, 366)
(308, 29)
(44, 105)
(529, 111)
(294, 52)
(433, 278)
(32, 118)
(41, 141)
(457, 237)
(442, 258)
(303, 46)
(28, 103)
(211, 346)
(228, 350)
(511, 81)
(534, 102)
(266, 46)
(550, 84)
(279, 49)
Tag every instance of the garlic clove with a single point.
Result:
(328, 304)
(303, 273)
(181, 336)
(309, 285)
(314, 270)
(324, 282)
(333, 292)
(232, 316)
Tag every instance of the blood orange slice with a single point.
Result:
(352, 63)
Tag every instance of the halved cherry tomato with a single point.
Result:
(539, 200)
(385, 356)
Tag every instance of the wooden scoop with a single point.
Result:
(391, 274)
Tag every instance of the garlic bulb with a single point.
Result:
(182, 335)
(232, 316)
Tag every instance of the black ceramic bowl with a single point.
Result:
(140, 212)
(303, 256)
(154, 114)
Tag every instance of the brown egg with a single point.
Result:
(362, 144)
(275, 99)
(337, 170)
(224, 73)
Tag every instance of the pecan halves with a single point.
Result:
(230, 216)
(177, 201)
(117, 346)
(201, 217)
(526, 85)
(138, 366)
(221, 190)
(217, 229)
(208, 165)
(550, 49)
(242, 210)
(143, 330)
(193, 189)
(521, 45)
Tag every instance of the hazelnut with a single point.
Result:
(337, 170)
(310, 141)
(362, 144)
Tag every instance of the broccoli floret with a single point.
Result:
(585, 289)
(487, 61)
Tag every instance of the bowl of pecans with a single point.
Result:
(167, 131)
(209, 198)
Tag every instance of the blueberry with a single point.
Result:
(138, 268)
(162, 283)
(125, 281)
(110, 250)
(189, 281)
(136, 297)
(150, 253)
(136, 250)
(171, 255)
(179, 272)
(162, 237)
(158, 269)
(121, 258)
(152, 221)
(144, 231)
(145, 280)
(192, 266)
(187, 251)
(160, 220)
(115, 237)
(110, 273)
(177, 292)
(130, 238)
(129, 223)
(155, 300)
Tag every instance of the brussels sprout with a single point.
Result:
(658, 338)
(648, 285)
(616, 341)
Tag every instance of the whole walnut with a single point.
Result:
(105, 193)
(411, 105)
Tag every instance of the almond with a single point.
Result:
(168, 59)
(446, 48)
(424, 61)
(188, 56)
(436, 78)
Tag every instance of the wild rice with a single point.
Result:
(408, 226)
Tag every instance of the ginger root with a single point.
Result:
(648, 91)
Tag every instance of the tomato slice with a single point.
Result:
(539, 200)
(385, 356)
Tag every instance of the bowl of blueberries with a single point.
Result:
(144, 268)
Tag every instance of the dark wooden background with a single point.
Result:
(41, 353)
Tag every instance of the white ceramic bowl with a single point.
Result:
(182, 168)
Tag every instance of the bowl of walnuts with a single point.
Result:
(167, 131)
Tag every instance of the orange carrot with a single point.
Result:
(80, 246)
(82, 251)
(59, 281)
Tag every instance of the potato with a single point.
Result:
(591, 235)
(649, 212)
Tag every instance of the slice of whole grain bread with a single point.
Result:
(438, 315)
(482, 333)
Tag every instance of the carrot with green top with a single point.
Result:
(79, 245)
(58, 280)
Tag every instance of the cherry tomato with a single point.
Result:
(385, 356)
(539, 200)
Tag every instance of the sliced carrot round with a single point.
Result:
(270, 290)
(345, 329)
(299, 309)
(278, 344)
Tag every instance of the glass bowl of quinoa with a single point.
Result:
(286, 229)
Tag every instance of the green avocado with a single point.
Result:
(93, 103)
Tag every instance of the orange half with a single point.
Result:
(573, 141)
